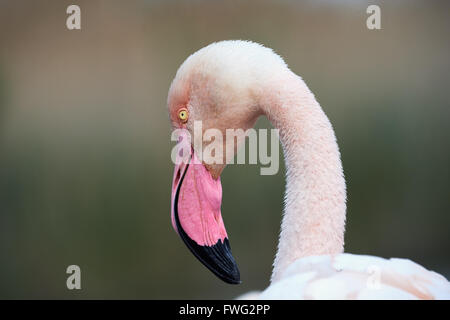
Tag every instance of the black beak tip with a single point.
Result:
(217, 258)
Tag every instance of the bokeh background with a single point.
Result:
(85, 168)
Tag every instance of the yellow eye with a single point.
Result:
(183, 115)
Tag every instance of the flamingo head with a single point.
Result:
(218, 87)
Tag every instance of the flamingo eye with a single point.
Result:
(183, 115)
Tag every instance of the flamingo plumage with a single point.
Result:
(229, 84)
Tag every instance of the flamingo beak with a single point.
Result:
(196, 216)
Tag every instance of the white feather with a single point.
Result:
(349, 276)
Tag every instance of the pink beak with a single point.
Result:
(196, 216)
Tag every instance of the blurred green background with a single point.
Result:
(85, 170)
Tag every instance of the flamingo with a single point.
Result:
(229, 84)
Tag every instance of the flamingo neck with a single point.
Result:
(315, 198)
